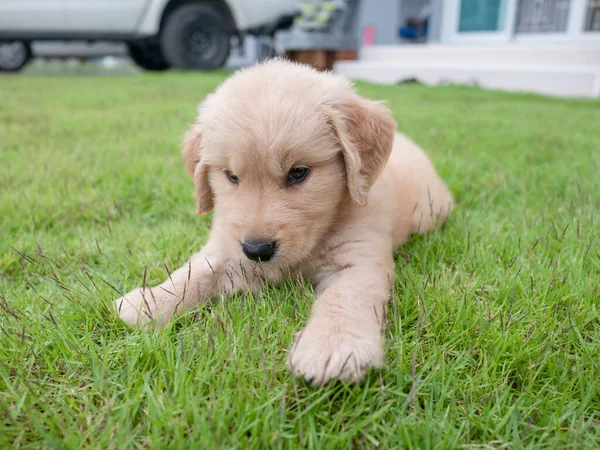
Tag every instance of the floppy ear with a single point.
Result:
(192, 157)
(366, 132)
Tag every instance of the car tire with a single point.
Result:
(197, 36)
(14, 55)
(147, 55)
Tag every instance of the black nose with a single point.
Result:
(259, 250)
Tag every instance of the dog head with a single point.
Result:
(277, 149)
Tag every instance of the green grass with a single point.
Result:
(493, 336)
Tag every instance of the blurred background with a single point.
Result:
(545, 46)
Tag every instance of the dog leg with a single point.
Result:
(207, 274)
(342, 339)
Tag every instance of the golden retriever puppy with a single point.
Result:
(305, 178)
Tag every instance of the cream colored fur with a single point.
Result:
(369, 188)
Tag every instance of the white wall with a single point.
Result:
(383, 15)
(411, 8)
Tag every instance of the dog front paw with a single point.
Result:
(145, 307)
(134, 307)
(322, 353)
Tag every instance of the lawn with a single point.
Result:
(493, 335)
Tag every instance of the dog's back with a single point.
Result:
(419, 198)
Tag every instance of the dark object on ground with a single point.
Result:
(415, 30)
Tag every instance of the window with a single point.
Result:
(542, 16)
(592, 17)
(481, 15)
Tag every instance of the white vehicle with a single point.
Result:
(192, 34)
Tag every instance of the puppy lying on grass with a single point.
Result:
(305, 177)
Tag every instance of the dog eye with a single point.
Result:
(231, 177)
(297, 175)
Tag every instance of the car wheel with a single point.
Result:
(197, 36)
(13, 55)
(147, 55)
